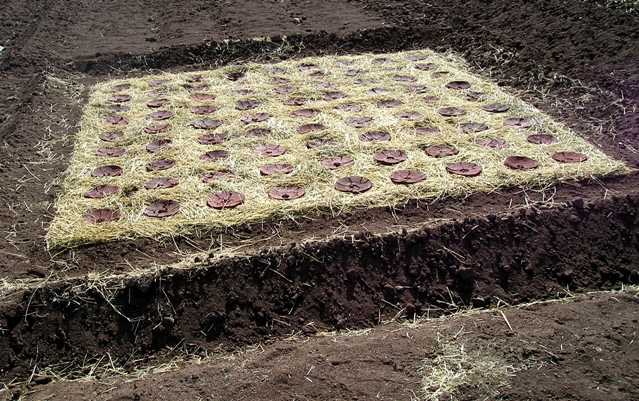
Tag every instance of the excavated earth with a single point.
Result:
(575, 60)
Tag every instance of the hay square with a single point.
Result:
(171, 154)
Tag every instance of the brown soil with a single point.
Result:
(575, 60)
(579, 350)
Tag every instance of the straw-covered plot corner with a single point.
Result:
(300, 115)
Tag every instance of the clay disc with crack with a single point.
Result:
(458, 85)
(157, 128)
(390, 157)
(161, 164)
(247, 104)
(116, 119)
(161, 183)
(162, 208)
(203, 110)
(107, 171)
(101, 191)
(495, 108)
(161, 115)
(225, 200)
(110, 152)
(333, 163)
(286, 193)
(451, 111)
(214, 155)
(270, 150)
(111, 136)
(206, 123)
(441, 151)
(375, 136)
(492, 143)
(407, 177)
(308, 128)
(541, 139)
(521, 163)
(518, 122)
(473, 127)
(255, 118)
(465, 169)
(211, 139)
(102, 215)
(276, 168)
(353, 184)
(158, 145)
(305, 113)
(569, 157)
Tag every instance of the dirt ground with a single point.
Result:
(575, 60)
(582, 350)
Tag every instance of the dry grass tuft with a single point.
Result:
(70, 229)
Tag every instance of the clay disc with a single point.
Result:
(161, 183)
(305, 113)
(404, 78)
(110, 152)
(541, 139)
(280, 80)
(351, 107)
(157, 145)
(424, 66)
(458, 85)
(439, 74)
(430, 99)
(410, 116)
(235, 75)
(276, 168)
(270, 150)
(377, 90)
(441, 151)
(333, 163)
(101, 191)
(206, 124)
(116, 119)
(319, 142)
(119, 108)
(472, 127)
(107, 171)
(407, 177)
(225, 200)
(569, 157)
(202, 110)
(475, 96)
(157, 103)
(451, 111)
(158, 82)
(306, 66)
(120, 98)
(416, 57)
(211, 139)
(359, 122)
(296, 101)
(196, 87)
(214, 155)
(259, 132)
(307, 128)
(104, 215)
(247, 104)
(389, 103)
(426, 130)
(111, 136)
(520, 163)
(284, 89)
(464, 168)
(162, 208)
(416, 88)
(496, 108)
(286, 193)
(380, 60)
(195, 78)
(162, 164)
(493, 143)
(375, 136)
(161, 115)
(157, 128)
(213, 176)
(390, 156)
(518, 122)
(255, 118)
(353, 72)
(202, 97)
(120, 87)
(353, 184)
(333, 95)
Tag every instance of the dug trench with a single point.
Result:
(351, 282)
